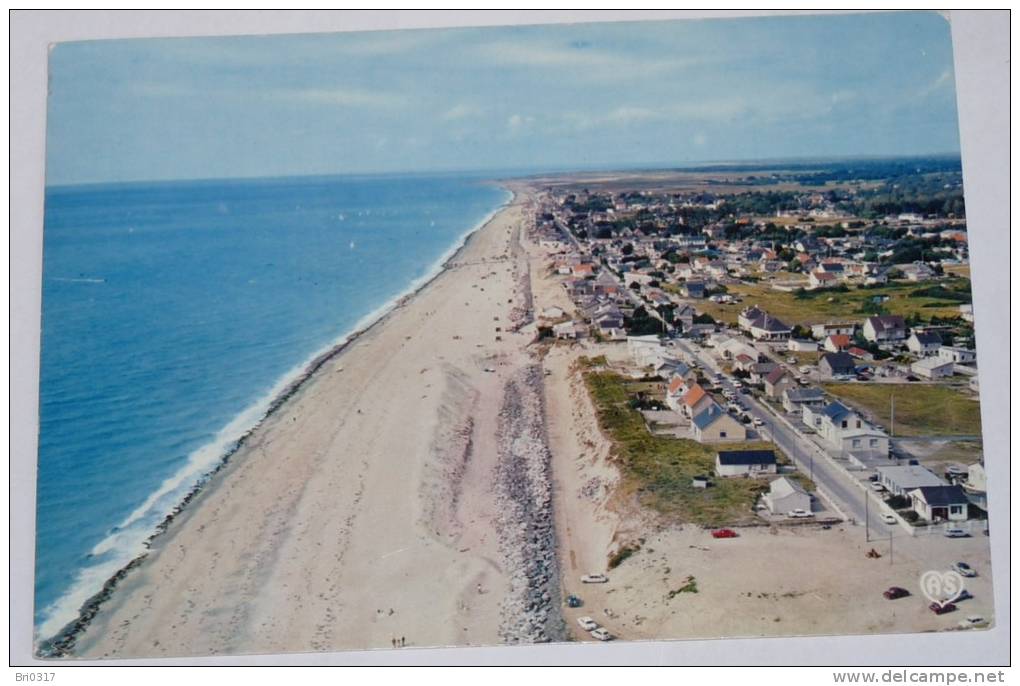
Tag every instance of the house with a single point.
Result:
(695, 400)
(831, 365)
(899, 480)
(796, 345)
(956, 355)
(743, 362)
(836, 343)
(844, 430)
(745, 462)
(716, 424)
(759, 370)
(932, 368)
(918, 271)
(794, 398)
(684, 316)
(694, 289)
(821, 279)
(885, 329)
(777, 381)
(749, 316)
(646, 351)
(924, 343)
(821, 331)
(567, 330)
(785, 495)
(678, 386)
(940, 503)
(768, 328)
(860, 353)
(582, 270)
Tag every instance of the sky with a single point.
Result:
(553, 97)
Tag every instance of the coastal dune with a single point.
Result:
(370, 509)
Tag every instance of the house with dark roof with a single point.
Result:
(714, 424)
(846, 431)
(745, 462)
(778, 380)
(885, 329)
(940, 503)
(836, 364)
(796, 398)
(924, 343)
(768, 328)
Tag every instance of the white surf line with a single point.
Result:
(392, 552)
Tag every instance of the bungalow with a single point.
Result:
(924, 343)
(836, 364)
(715, 424)
(836, 343)
(940, 503)
(778, 380)
(932, 368)
(568, 330)
(743, 362)
(768, 328)
(820, 279)
(794, 399)
(821, 331)
(956, 355)
(885, 328)
(786, 495)
(745, 462)
(684, 315)
(582, 270)
(918, 271)
(695, 400)
(795, 345)
(749, 316)
(899, 480)
(860, 353)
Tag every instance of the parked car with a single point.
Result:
(973, 622)
(963, 595)
(574, 601)
(799, 514)
(601, 634)
(758, 422)
(587, 623)
(964, 569)
(894, 592)
(594, 579)
(888, 519)
(940, 609)
(724, 533)
(955, 533)
(875, 486)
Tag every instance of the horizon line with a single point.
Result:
(502, 174)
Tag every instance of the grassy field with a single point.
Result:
(920, 410)
(824, 306)
(658, 470)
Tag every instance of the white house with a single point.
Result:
(745, 462)
(940, 503)
(901, 479)
(924, 343)
(801, 346)
(932, 368)
(646, 351)
(956, 355)
(843, 429)
(821, 331)
(785, 495)
(885, 328)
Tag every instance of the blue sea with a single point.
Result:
(174, 312)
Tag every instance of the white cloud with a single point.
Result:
(516, 122)
(340, 97)
(461, 111)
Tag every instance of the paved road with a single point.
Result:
(808, 457)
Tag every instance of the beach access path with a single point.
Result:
(362, 513)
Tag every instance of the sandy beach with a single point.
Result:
(395, 499)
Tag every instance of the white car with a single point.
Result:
(964, 569)
(973, 622)
(875, 486)
(594, 579)
(587, 623)
(955, 533)
(799, 514)
(602, 635)
(888, 519)
(758, 422)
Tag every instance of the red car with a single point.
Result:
(940, 609)
(895, 592)
(724, 533)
